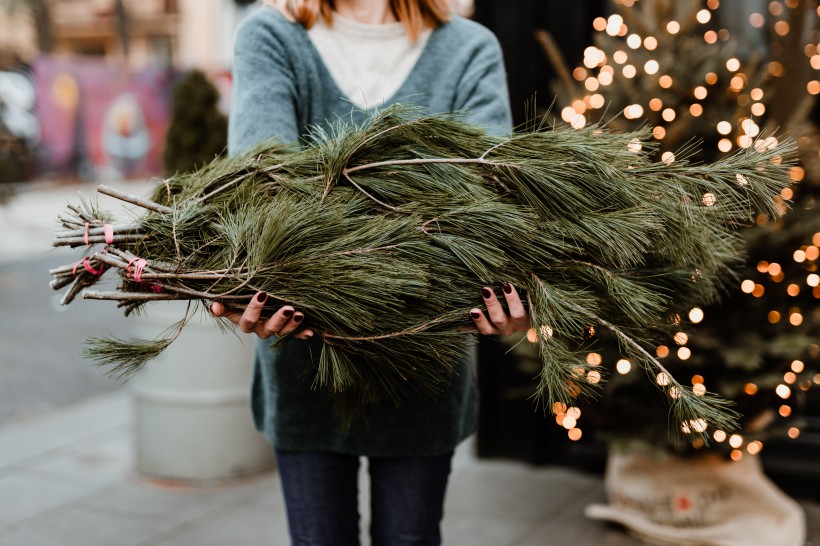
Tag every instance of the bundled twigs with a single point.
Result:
(382, 234)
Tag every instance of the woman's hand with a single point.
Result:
(284, 321)
(499, 322)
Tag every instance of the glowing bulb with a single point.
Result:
(794, 432)
(724, 145)
(736, 440)
(651, 67)
(797, 366)
(613, 24)
(634, 146)
(619, 56)
(574, 434)
(673, 27)
(594, 377)
(594, 359)
(724, 127)
(813, 280)
(532, 335)
(668, 114)
(633, 41)
(668, 158)
(741, 180)
(569, 422)
(747, 286)
(623, 366)
(783, 391)
(650, 43)
(754, 447)
(665, 81)
(684, 353)
(784, 410)
(700, 92)
(704, 16)
(736, 455)
(696, 315)
(629, 71)
(750, 389)
(699, 389)
(696, 109)
(719, 436)
(732, 65)
(709, 199)
(662, 379)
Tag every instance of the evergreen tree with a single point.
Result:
(671, 64)
(199, 131)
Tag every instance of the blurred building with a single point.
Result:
(180, 33)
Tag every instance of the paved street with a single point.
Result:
(67, 472)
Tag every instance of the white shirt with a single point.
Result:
(368, 62)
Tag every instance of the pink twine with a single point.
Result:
(86, 263)
(108, 230)
(85, 237)
(139, 265)
(157, 288)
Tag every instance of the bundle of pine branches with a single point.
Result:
(382, 233)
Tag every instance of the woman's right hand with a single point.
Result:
(284, 321)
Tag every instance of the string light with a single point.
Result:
(736, 440)
(784, 410)
(574, 434)
(650, 43)
(594, 377)
(783, 391)
(719, 436)
(633, 41)
(651, 67)
(623, 366)
(724, 127)
(724, 145)
(662, 379)
(684, 353)
(812, 253)
(665, 81)
(754, 447)
(794, 432)
(668, 158)
(732, 65)
(658, 132)
(662, 351)
(736, 455)
(696, 315)
(789, 377)
(673, 27)
(613, 24)
(750, 389)
(797, 366)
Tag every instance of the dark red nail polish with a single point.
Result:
(287, 313)
(507, 287)
(261, 297)
(474, 315)
(298, 318)
(486, 292)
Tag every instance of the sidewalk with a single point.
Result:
(67, 479)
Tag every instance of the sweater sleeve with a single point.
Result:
(264, 95)
(482, 91)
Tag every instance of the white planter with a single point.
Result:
(191, 404)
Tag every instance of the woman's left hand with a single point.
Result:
(500, 322)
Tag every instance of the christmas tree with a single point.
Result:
(199, 131)
(672, 65)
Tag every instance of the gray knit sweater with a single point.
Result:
(281, 89)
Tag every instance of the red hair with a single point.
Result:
(415, 14)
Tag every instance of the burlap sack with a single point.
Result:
(705, 501)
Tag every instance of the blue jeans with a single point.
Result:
(321, 496)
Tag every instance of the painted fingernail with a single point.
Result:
(261, 297)
(298, 318)
(474, 315)
(486, 292)
(507, 287)
(287, 313)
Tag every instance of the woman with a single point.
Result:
(304, 63)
